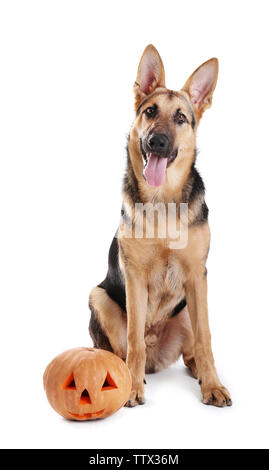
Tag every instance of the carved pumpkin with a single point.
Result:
(87, 383)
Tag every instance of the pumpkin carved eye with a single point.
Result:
(109, 383)
(69, 383)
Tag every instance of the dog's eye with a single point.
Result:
(151, 111)
(180, 117)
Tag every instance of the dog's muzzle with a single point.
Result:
(157, 155)
(159, 144)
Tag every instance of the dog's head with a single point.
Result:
(164, 130)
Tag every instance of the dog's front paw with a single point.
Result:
(216, 396)
(136, 397)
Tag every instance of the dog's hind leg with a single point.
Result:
(108, 323)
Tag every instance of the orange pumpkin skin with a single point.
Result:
(87, 383)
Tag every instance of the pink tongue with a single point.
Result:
(155, 170)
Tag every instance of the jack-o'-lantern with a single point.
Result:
(87, 383)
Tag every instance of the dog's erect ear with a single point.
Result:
(150, 74)
(201, 84)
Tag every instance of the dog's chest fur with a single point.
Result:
(162, 269)
(165, 287)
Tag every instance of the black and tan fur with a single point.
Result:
(152, 305)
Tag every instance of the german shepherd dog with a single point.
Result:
(152, 305)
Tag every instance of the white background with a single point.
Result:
(66, 105)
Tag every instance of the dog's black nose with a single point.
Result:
(158, 143)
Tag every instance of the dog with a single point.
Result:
(152, 305)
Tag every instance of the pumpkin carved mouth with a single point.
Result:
(88, 415)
